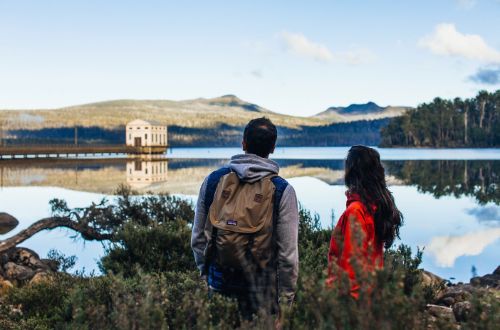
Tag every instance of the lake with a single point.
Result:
(449, 197)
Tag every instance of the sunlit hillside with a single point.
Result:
(227, 109)
(197, 113)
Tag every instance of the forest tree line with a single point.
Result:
(222, 135)
(473, 122)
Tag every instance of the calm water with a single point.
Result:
(450, 198)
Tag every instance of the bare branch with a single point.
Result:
(88, 233)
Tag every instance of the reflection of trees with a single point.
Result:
(451, 177)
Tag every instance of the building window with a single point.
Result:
(145, 136)
(130, 136)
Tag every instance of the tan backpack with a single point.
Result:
(239, 230)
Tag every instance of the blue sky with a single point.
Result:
(294, 57)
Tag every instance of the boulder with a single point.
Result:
(18, 272)
(441, 312)
(7, 223)
(488, 280)
(455, 294)
(430, 279)
(52, 264)
(462, 310)
(27, 257)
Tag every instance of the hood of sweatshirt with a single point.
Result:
(252, 168)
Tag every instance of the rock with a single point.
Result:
(5, 286)
(488, 280)
(18, 272)
(441, 312)
(448, 301)
(29, 258)
(430, 279)
(454, 294)
(23, 255)
(7, 223)
(462, 310)
(40, 278)
(52, 264)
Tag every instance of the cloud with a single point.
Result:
(446, 40)
(300, 45)
(487, 76)
(466, 4)
(446, 249)
(486, 214)
(256, 73)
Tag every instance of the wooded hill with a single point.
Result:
(216, 122)
(473, 122)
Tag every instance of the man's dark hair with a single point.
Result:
(260, 136)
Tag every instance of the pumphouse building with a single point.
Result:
(146, 133)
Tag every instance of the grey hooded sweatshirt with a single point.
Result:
(251, 168)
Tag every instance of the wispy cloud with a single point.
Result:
(487, 76)
(256, 73)
(466, 4)
(446, 249)
(446, 40)
(299, 44)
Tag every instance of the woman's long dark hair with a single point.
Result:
(365, 176)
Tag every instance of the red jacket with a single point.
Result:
(346, 244)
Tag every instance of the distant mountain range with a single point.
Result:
(196, 113)
(366, 111)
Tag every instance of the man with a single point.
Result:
(244, 236)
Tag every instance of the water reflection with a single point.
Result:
(478, 179)
(446, 249)
(146, 173)
(450, 207)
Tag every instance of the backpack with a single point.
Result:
(240, 230)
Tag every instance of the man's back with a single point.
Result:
(282, 264)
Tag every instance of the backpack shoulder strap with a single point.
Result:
(212, 182)
(280, 184)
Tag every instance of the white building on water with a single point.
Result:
(146, 133)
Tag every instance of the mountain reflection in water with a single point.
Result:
(475, 178)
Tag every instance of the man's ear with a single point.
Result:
(272, 150)
(244, 145)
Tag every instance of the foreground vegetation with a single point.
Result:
(151, 282)
(441, 123)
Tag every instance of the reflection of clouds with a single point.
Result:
(446, 249)
(486, 214)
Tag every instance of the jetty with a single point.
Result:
(71, 150)
(142, 137)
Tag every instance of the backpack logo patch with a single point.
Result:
(232, 222)
(225, 193)
(258, 198)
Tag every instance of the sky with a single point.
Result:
(293, 57)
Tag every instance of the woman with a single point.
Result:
(370, 222)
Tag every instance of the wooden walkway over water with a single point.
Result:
(62, 150)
